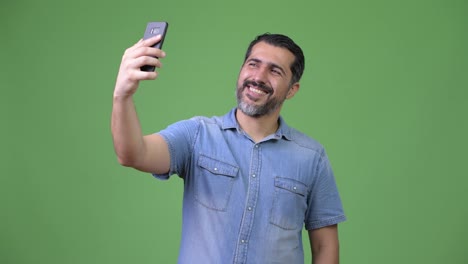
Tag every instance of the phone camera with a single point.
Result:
(155, 31)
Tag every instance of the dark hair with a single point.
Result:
(282, 41)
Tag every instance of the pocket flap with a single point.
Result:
(217, 167)
(291, 185)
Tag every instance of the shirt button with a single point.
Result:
(295, 188)
(243, 241)
(256, 146)
(215, 169)
(253, 175)
(249, 208)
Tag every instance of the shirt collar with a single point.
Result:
(230, 122)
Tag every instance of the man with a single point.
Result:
(250, 181)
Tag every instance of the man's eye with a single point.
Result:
(276, 72)
(253, 64)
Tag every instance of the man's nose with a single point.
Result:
(261, 75)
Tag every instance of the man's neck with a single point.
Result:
(258, 127)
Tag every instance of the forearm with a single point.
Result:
(126, 131)
(326, 255)
(325, 245)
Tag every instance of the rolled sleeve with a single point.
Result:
(180, 139)
(325, 207)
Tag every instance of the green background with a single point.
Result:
(385, 90)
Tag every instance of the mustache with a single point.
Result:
(260, 85)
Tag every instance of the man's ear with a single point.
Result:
(293, 90)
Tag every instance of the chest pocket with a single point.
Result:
(289, 203)
(213, 185)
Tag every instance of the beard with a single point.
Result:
(253, 110)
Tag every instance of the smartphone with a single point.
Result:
(154, 29)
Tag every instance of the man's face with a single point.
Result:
(264, 80)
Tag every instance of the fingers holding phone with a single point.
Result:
(140, 60)
(147, 55)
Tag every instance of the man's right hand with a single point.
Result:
(146, 153)
(133, 59)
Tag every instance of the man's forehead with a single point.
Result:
(271, 54)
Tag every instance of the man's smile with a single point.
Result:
(257, 90)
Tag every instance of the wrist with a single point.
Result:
(122, 97)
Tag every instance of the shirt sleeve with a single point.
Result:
(325, 207)
(180, 138)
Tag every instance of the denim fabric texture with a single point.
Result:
(247, 202)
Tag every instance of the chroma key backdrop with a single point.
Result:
(385, 91)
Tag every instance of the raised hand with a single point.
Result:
(134, 58)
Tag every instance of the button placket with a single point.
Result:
(249, 212)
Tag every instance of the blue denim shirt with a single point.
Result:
(246, 202)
